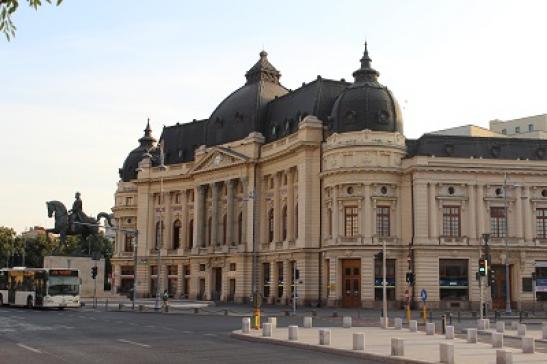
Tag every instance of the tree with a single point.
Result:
(8, 7)
(7, 243)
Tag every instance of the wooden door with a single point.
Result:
(498, 286)
(351, 282)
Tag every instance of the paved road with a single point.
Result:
(86, 336)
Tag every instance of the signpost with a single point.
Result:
(423, 297)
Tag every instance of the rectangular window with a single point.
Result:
(517, 129)
(530, 127)
(453, 279)
(128, 246)
(153, 270)
(280, 279)
(382, 221)
(541, 223)
(390, 278)
(127, 270)
(129, 201)
(498, 222)
(451, 221)
(186, 270)
(504, 131)
(172, 270)
(232, 267)
(351, 218)
(266, 280)
(202, 267)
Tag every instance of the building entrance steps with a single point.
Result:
(418, 347)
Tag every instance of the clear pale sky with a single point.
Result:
(79, 81)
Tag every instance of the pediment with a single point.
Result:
(218, 157)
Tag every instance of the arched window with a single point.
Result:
(224, 224)
(296, 221)
(329, 222)
(176, 234)
(159, 234)
(209, 223)
(240, 228)
(270, 225)
(191, 234)
(284, 223)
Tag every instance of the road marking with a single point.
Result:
(29, 348)
(187, 332)
(208, 334)
(134, 343)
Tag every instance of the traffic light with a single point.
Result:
(492, 277)
(410, 278)
(483, 266)
(93, 272)
(379, 256)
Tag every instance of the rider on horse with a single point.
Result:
(76, 214)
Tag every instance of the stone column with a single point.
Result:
(367, 212)
(528, 217)
(167, 235)
(246, 202)
(277, 207)
(290, 204)
(214, 214)
(230, 185)
(433, 223)
(184, 220)
(151, 224)
(199, 215)
(518, 221)
(286, 281)
(335, 230)
(273, 280)
(472, 222)
(421, 211)
(480, 210)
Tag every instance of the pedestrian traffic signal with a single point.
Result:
(410, 278)
(93, 272)
(483, 267)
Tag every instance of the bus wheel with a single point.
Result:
(30, 303)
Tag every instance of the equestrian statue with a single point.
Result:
(75, 221)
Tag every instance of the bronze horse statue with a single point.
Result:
(65, 226)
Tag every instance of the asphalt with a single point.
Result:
(96, 336)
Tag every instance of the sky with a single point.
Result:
(79, 81)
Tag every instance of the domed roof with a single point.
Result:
(242, 111)
(147, 142)
(366, 104)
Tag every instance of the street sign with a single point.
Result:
(423, 294)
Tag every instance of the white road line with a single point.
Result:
(209, 334)
(29, 348)
(134, 343)
(187, 332)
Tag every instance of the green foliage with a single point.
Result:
(8, 7)
(7, 243)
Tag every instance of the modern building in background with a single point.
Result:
(317, 179)
(531, 127)
(35, 232)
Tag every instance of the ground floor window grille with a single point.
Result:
(378, 278)
(541, 223)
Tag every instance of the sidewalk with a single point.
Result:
(418, 347)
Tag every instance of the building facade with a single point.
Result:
(316, 180)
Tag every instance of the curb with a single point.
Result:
(486, 333)
(329, 350)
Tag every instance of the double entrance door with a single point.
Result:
(498, 286)
(351, 282)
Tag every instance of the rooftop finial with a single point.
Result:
(147, 140)
(366, 72)
(263, 70)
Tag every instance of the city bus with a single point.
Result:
(40, 287)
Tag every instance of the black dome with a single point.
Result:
(242, 111)
(366, 104)
(131, 163)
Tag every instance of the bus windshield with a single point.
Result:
(62, 285)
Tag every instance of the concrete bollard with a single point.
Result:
(141, 307)
(497, 340)
(120, 307)
(384, 322)
(307, 322)
(324, 337)
(544, 331)
(430, 328)
(483, 324)
(500, 326)
(413, 325)
(359, 341)
(346, 322)
(447, 352)
(521, 330)
(398, 322)
(273, 321)
(293, 333)
(528, 345)
(246, 325)
(449, 332)
(397, 347)
(472, 336)
(196, 310)
(266, 329)
(504, 357)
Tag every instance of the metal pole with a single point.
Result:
(506, 230)
(481, 286)
(158, 248)
(384, 287)
(133, 294)
(95, 287)
(294, 287)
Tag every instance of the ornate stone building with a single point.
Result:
(317, 179)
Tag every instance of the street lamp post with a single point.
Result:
(384, 287)
(160, 240)
(506, 230)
